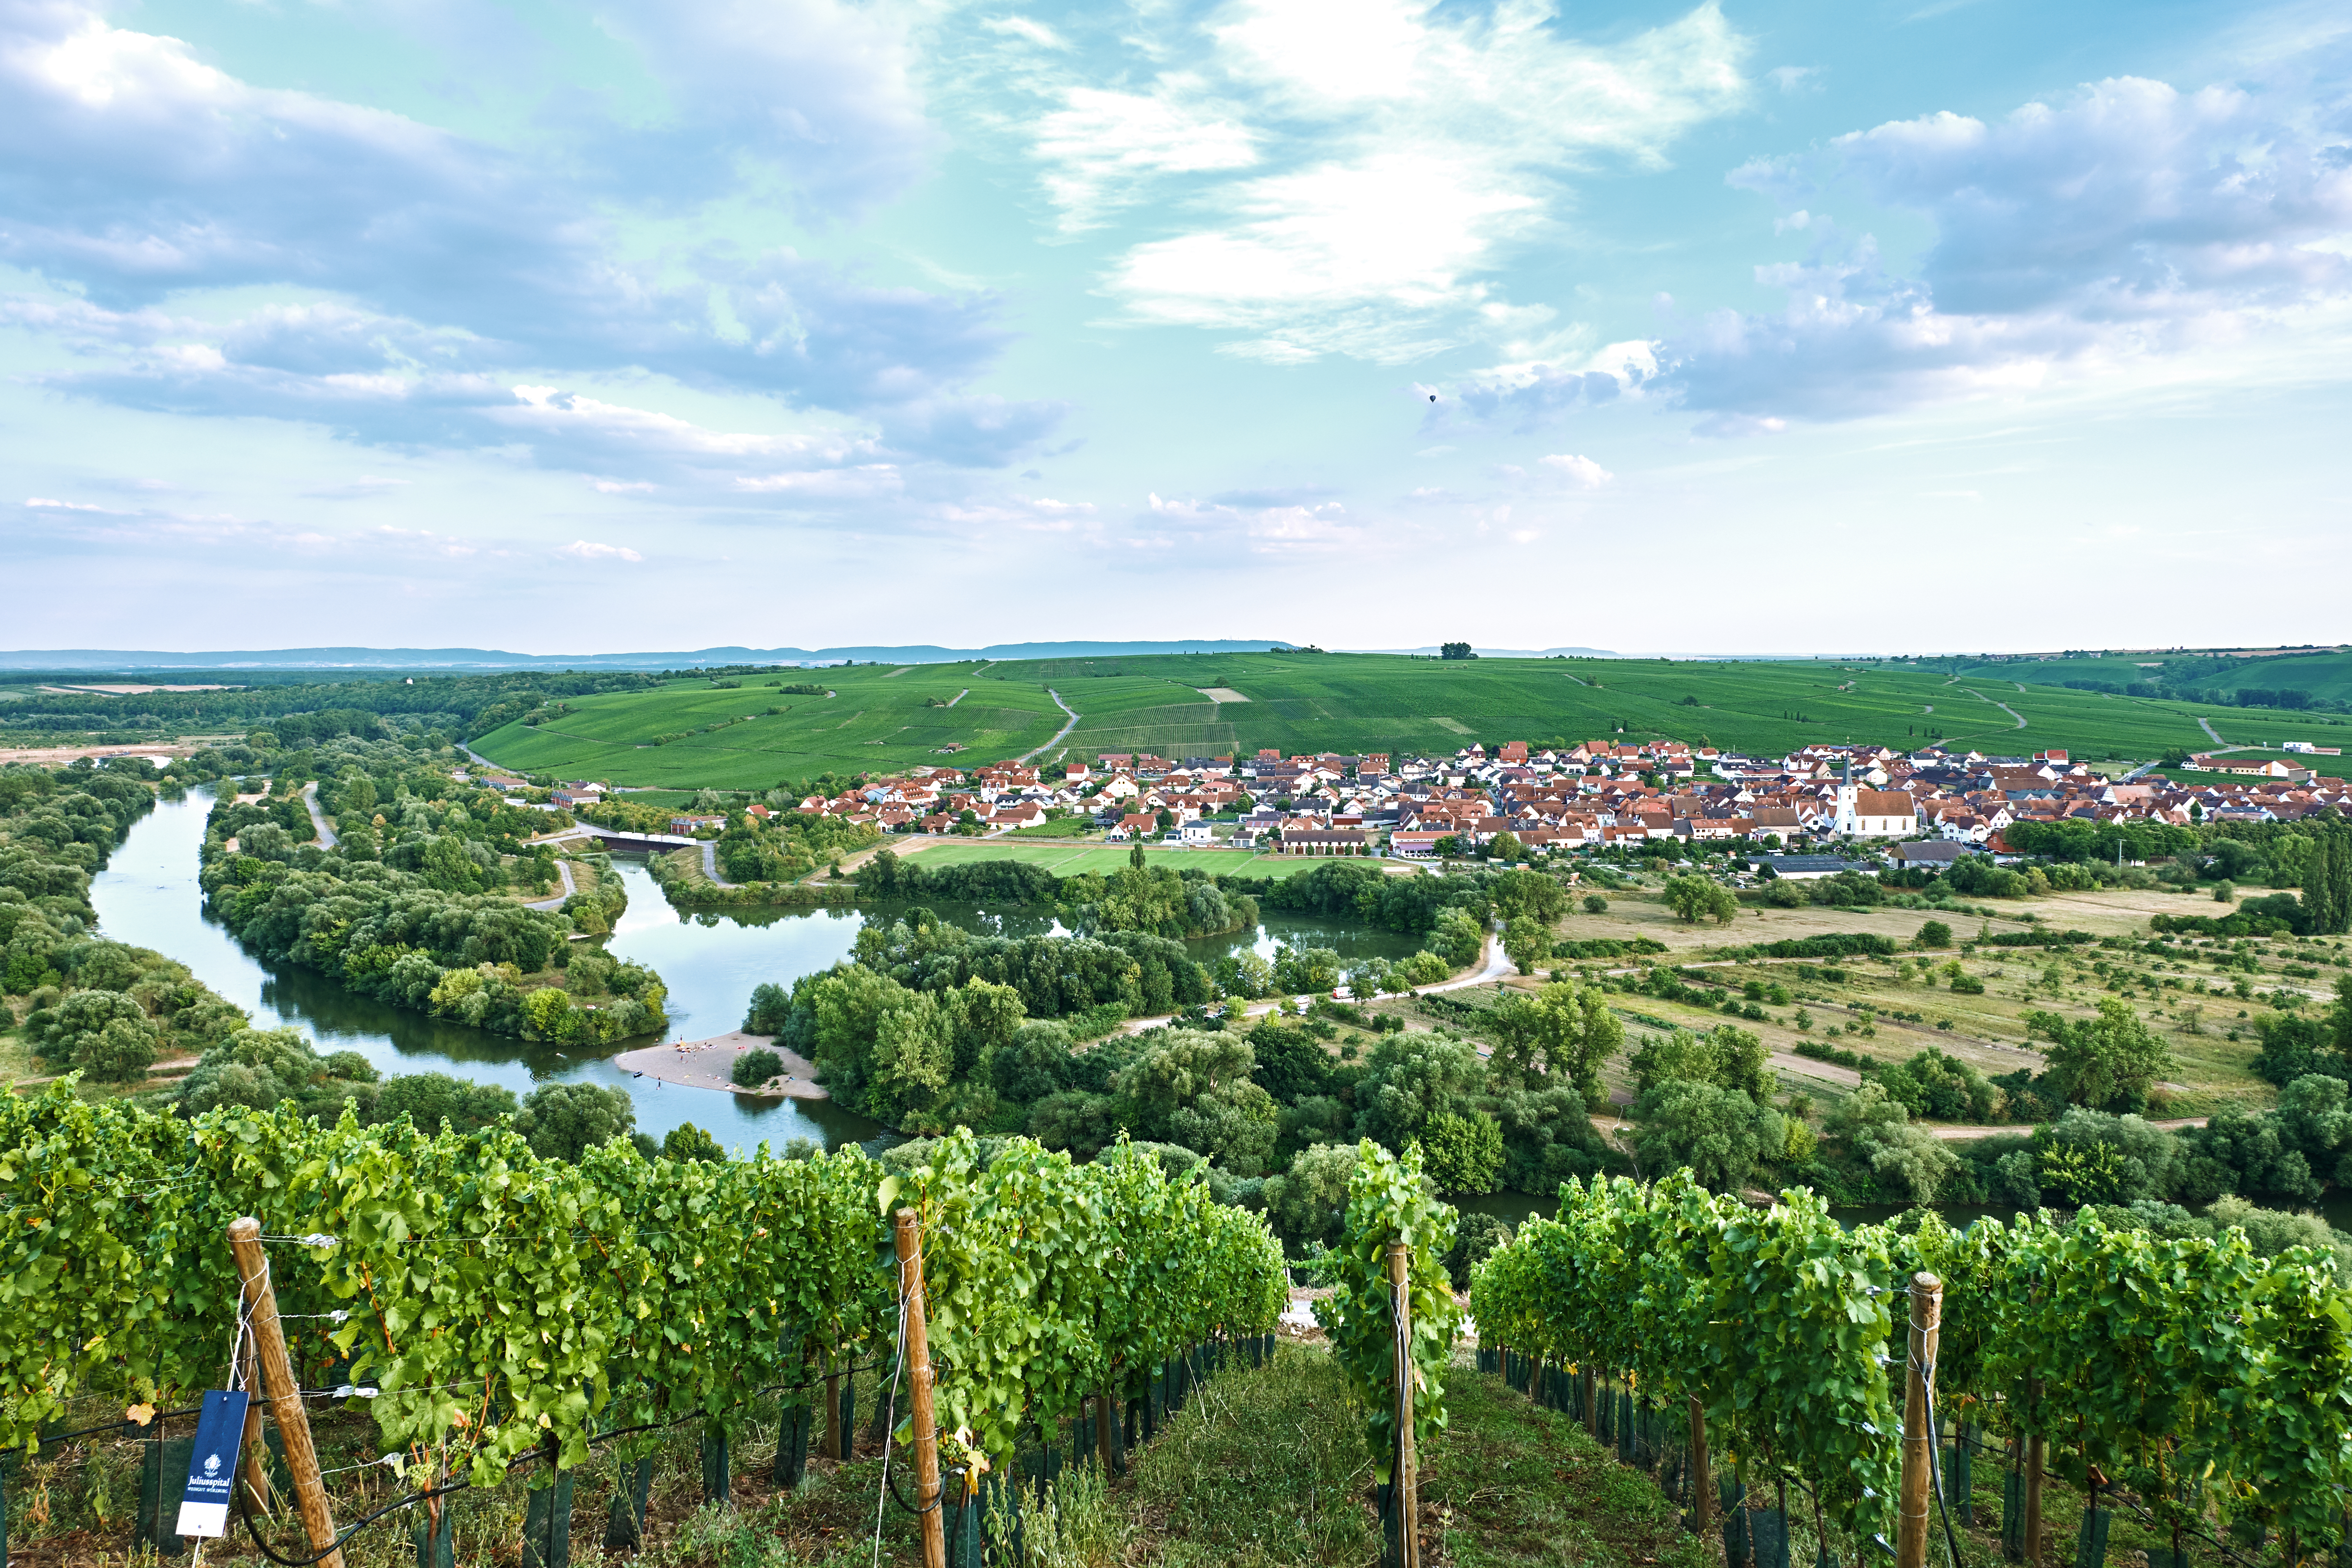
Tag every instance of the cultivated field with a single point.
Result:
(892, 717)
(877, 719)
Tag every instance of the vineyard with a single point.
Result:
(2206, 1389)
(501, 1313)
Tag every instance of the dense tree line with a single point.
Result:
(105, 1009)
(405, 907)
(473, 704)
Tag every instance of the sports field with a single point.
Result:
(885, 717)
(1071, 860)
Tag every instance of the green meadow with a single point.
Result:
(1072, 860)
(690, 733)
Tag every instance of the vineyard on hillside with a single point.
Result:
(2207, 1388)
(499, 1310)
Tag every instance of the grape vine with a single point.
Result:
(500, 1301)
(1390, 1200)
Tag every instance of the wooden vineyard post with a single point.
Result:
(917, 1352)
(834, 1448)
(1919, 1444)
(1106, 1412)
(1702, 1475)
(260, 1304)
(1407, 1490)
(255, 1499)
(2034, 1479)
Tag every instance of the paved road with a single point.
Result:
(2011, 712)
(2207, 726)
(318, 817)
(564, 870)
(1065, 729)
(710, 864)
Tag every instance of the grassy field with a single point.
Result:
(885, 717)
(1070, 860)
(2175, 995)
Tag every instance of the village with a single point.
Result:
(1929, 805)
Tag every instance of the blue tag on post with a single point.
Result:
(212, 1464)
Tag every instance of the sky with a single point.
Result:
(1892, 325)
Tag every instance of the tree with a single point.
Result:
(260, 1068)
(1565, 1031)
(2114, 1058)
(1909, 1160)
(1719, 1134)
(1520, 892)
(430, 1099)
(1410, 1078)
(1507, 847)
(1595, 904)
(1307, 1204)
(1454, 650)
(1195, 1090)
(1934, 933)
(1464, 1152)
(1526, 940)
(564, 1120)
(688, 1142)
(1691, 896)
(1474, 1240)
(755, 1068)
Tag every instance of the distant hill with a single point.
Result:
(1433, 650)
(492, 659)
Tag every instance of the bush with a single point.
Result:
(1595, 904)
(1934, 933)
(756, 1067)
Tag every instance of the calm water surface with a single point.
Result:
(148, 896)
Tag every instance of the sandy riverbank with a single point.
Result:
(706, 1064)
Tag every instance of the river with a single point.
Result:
(148, 896)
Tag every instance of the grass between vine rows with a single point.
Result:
(1265, 1468)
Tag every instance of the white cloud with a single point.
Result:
(1028, 28)
(1103, 148)
(583, 549)
(143, 172)
(2127, 226)
(45, 503)
(1356, 169)
(1583, 472)
(1364, 259)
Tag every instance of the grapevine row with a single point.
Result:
(502, 1302)
(2215, 1384)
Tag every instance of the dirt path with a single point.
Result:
(706, 1064)
(2020, 1130)
(1065, 730)
(318, 817)
(960, 697)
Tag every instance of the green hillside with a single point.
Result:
(879, 717)
(884, 718)
(2323, 675)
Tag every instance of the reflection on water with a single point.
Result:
(148, 896)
